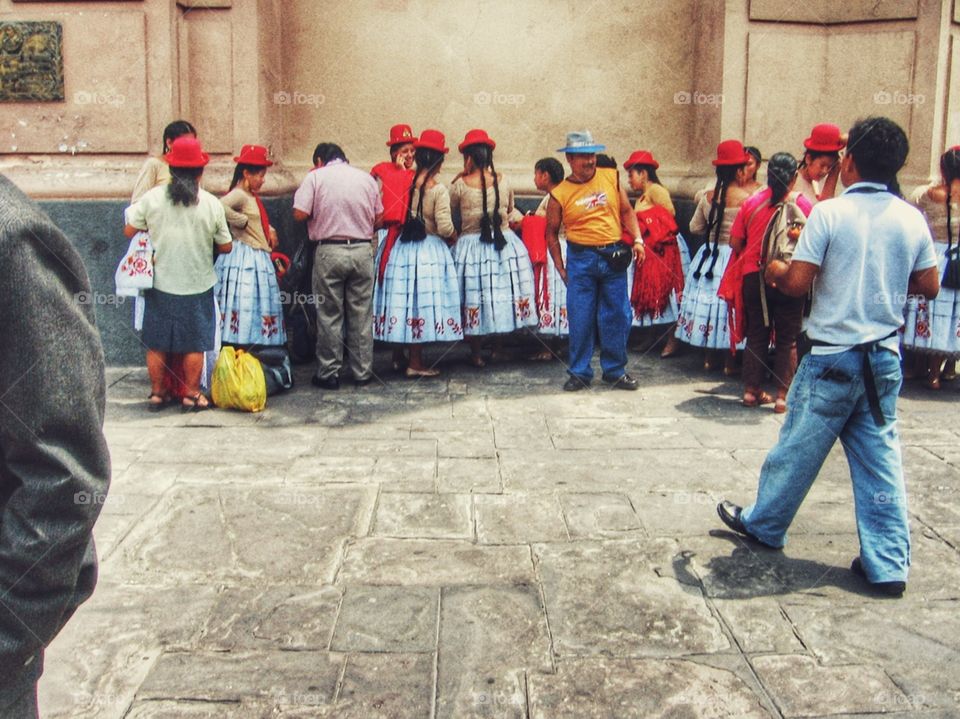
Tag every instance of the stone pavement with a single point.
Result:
(486, 545)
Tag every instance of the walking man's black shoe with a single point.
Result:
(730, 515)
(327, 383)
(891, 589)
(624, 381)
(575, 384)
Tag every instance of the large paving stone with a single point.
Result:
(398, 686)
(387, 619)
(406, 474)
(437, 516)
(271, 618)
(638, 433)
(151, 709)
(802, 688)
(273, 677)
(488, 637)
(434, 563)
(324, 468)
(465, 475)
(519, 519)
(759, 626)
(613, 469)
(95, 665)
(293, 535)
(622, 599)
(602, 515)
(603, 688)
(915, 638)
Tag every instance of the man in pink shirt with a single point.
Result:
(342, 208)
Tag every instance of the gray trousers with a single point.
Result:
(343, 284)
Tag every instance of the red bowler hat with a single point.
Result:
(825, 138)
(476, 137)
(186, 151)
(401, 135)
(641, 157)
(433, 140)
(731, 152)
(955, 148)
(255, 155)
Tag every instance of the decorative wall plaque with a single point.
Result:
(31, 62)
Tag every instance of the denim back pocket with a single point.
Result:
(833, 390)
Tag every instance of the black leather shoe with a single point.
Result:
(891, 589)
(362, 382)
(575, 384)
(624, 381)
(330, 383)
(730, 515)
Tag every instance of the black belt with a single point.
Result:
(343, 241)
(596, 248)
(869, 382)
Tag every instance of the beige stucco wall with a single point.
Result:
(673, 76)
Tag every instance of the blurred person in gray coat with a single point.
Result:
(54, 463)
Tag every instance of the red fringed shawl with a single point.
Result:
(395, 187)
(661, 273)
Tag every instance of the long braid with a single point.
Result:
(711, 220)
(721, 207)
(485, 233)
(499, 241)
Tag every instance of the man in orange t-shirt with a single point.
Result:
(594, 210)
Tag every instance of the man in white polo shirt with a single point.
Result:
(342, 207)
(862, 253)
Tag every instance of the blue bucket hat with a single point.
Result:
(582, 142)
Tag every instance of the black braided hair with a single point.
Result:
(428, 162)
(950, 171)
(490, 230)
(726, 174)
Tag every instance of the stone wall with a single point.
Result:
(674, 76)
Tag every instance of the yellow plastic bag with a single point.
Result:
(238, 381)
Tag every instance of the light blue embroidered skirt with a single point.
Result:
(702, 320)
(496, 287)
(250, 308)
(419, 298)
(933, 326)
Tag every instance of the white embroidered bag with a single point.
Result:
(135, 272)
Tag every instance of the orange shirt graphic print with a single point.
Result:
(593, 201)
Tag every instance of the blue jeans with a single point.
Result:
(827, 401)
(596, 300)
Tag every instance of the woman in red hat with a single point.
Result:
(703, 315)
(496, 277)
(251, 312)
(418, 300)
(184, 221)
(932, 330)
(394, 179)
(820, 168)
(154, 173)
(656, 287)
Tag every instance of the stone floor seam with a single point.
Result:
(434, 705)
(546, 614)
(741, 654)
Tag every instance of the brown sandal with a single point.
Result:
(197, 403)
